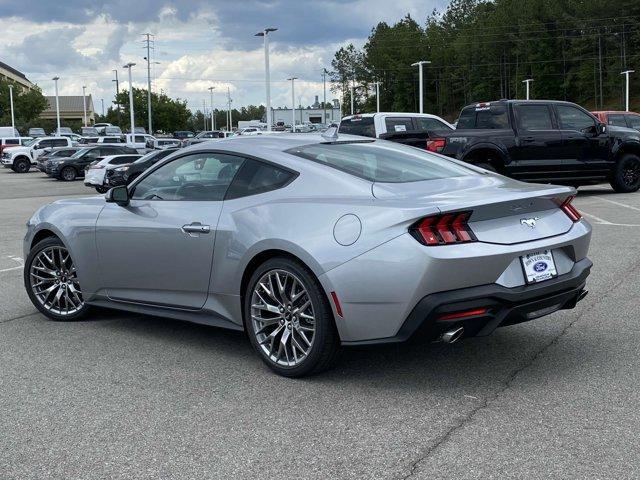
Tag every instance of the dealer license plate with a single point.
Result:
(539, 266)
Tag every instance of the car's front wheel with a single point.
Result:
(289, 320)
(21, 165)
(625, 177)
(68, 174)
(51, 281)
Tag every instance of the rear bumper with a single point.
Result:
(504, 306)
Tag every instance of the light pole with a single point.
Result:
(267, 75)
(13, 120)
(55, 80)
(324, 95)
(420, 82)
(626, 74)
(293, 103)
(527, 82)
(148, 59)
(353, 81)
(128, 67)
(378, 97)
(211, 89)
(230, 114)
(117, 91)
(102, 102)
(84, 105)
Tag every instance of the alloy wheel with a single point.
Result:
(283, 318)
(54, 283)
(631, 172)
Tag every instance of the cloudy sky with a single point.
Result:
(197, 43)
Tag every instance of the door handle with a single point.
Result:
(528, 139)
(195, 227)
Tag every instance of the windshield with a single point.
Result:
(80, 152)
(28, 143)
(154, 155)
(381, 162)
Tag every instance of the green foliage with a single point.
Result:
(27, 105)
(482, 50)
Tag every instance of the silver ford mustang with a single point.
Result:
(308, 243)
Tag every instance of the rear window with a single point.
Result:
(426, 124)
(617, 120)
(358, 126)
(398, 124)
(377, 162)
(492, 117)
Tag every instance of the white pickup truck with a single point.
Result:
(20, 159)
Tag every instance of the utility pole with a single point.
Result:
(213, 125)
(230, 114)
(148, 58)
(204, 114)
(600, 67)
(128, 67)
(293, 104)
(13, 120)
(626, 74)
(353, 82)
(117, 91)
(419, 65)
(84, 105)
(527, 82)
(55, 80)
(378, 97)
(267, 76)
(324, 96)
(102, 102)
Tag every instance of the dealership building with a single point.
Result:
(12, 75)
(311, 114)
(70, 108)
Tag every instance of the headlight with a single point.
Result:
(122, 169)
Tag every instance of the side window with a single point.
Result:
(634, 121)
(12, 141)
(617, 120)
(427, 124)
(95, 153)
(46, 144)
(196, 177)
(493, 118)
(140, 139)
(60, 142)
(398, 124)
(257, 177)
(573, 119)
(534, 117)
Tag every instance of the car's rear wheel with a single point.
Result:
(289, 320)
(100, 189)
(625, 177)
(51, 281)
(68, 174)
(21, 165)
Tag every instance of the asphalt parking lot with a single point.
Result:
(129, 396)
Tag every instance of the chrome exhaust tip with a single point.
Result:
(452, 336)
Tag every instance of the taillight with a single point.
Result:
(570, 210)
(436, 144)
(446, 229)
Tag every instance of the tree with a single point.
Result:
(27, 105)
(168, 114)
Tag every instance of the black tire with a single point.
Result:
(625, 177)
(486, 166)
(102, 189)
(48, 243)
(325, 345)
(21, 165)
(68, 174)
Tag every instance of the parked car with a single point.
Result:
(544, 141)
(111, 130)
(406, 128)
(619, 119)
(139, 141)
(139, 130)
(110, 139)
(163, 143)
(9, 132)
(203, 137)
(183, 134)
(88, 140)
(10, 142)
(126, 174)
(36, 132)
(59, 152)
(101, 126)
(70, 168)
(89, 131)
(62, 131)
(94, 173)
(317, 243)
(20, 159)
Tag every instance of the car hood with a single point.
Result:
(623, 132)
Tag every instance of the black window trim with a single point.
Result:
(555, 122)
(575, 106)
(294, 175)
(169, 159)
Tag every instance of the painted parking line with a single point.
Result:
(18, 260)
(602, 221)
(620, 204)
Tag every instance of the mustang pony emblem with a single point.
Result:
(529, 222)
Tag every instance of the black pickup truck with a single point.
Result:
(543, 141)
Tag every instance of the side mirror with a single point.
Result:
(118, 195)
(600, 128)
